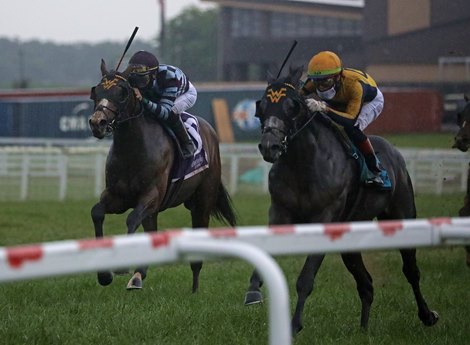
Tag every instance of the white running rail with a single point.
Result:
(248, 243)
(42, 172)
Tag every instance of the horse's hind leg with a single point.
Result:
(412, 274)
(200, 205)
(355, 265)
(304, 288)
(467, 250)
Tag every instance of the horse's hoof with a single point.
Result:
(105, 278)
(296, 329)
(134, 284)
(253, 297)
(432, 319)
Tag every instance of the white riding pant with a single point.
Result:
(185, 100)
(370, 111)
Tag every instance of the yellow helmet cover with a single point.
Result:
(324, 64)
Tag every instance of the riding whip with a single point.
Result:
(287, 58)
(127, 47)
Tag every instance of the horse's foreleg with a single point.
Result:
(304, 288)
(467, 250)
(465, 212)
(196, 267)
(149, 224)
(355, 265)
(97, 215)
(253, 294)
(412, 274)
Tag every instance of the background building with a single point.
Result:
(397, 41)
(255, 35)
(423, 41)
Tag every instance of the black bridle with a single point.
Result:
(121, 113)
(274, 94)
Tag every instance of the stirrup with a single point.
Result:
(375, 181)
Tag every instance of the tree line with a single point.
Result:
(189, 43)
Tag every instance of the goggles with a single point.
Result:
(323, 84)
(141, 70)
(140, 75)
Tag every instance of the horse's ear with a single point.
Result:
(126, 72)
(93, 93)
(296, 73)
(270, 77)
(103, 68)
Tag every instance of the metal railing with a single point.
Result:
(77, 172)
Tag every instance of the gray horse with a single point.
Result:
(313, 179)
(462, 142)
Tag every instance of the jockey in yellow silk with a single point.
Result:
(349, 97)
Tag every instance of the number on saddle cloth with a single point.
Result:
(183, 169)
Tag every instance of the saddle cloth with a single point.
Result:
(353, 151)
(185, 168)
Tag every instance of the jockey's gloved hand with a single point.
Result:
(315, 105)
(137, 93)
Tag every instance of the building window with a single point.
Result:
(246, 23)
(292, 25)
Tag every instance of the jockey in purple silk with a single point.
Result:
(165, 93)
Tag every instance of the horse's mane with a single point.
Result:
(113, 73)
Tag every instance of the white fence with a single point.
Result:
(77, 172)
(249, 243)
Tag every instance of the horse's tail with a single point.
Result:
(224, 210)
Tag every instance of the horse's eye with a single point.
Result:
(291, 108)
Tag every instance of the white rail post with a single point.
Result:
(233, 184)
(99, 163)
(279, 322)
(62, 162)
(24, 177)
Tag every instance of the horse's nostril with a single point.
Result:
(103, 123)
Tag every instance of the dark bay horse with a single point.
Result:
(139, 165)
(462, 142)
(313, 179)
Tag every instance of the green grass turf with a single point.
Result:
(76, 310)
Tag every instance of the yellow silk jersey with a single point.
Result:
(355, 89)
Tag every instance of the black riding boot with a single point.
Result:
(372, 162)
(186, 144)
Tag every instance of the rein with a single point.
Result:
(311, 117)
